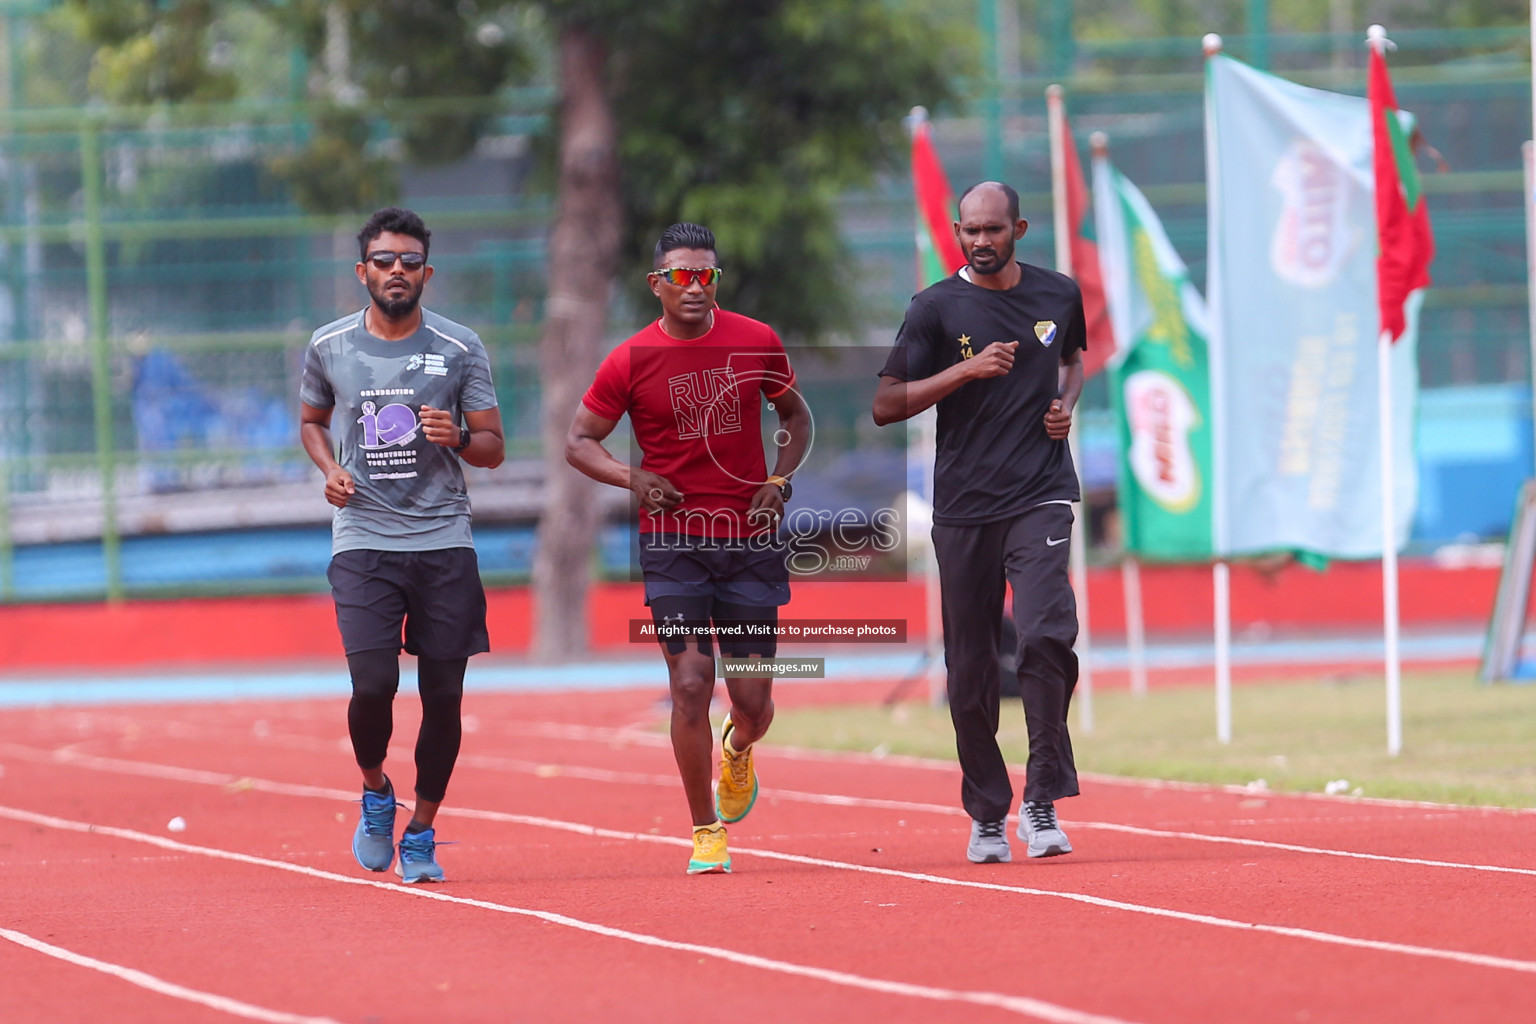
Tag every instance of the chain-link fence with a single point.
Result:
(160, 279)
(158, 288)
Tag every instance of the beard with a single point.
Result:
(992, 261)
(395, 308)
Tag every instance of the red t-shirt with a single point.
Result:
(696, 416)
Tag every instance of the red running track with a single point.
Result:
(851, 899)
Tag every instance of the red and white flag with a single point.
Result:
(1084, 254)
(1406, 243)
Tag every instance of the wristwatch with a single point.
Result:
(464, 439)
(786, 488)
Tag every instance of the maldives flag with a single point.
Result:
(938, 252)
(1406, 242)
(1085, 260)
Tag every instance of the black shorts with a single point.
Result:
(742, 629)
(692, 581)
(737, 572)
(435, 595)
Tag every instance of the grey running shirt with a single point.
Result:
(410, 492)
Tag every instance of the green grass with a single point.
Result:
(1463, 742)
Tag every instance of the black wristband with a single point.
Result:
(464, 438)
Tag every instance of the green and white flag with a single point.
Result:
(1160, 381)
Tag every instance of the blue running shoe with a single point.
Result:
(418, 858)
(373, 844)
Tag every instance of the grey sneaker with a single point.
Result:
(989, 843)
(373, 844)
(1038, 828)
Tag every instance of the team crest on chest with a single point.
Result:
(965, 346)
(1045, 330)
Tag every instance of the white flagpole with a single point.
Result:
(1130, 568)
(1221, 582)
(1135, 627)
(933, 594)
(1389, 550)
(1376, 37)
(1056, 124)
(925, 436)
(1528, 159)
(1078, 554)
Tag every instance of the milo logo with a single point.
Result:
(388, 427)
(1161, 416)
(1312, 239)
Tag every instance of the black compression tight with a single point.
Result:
(370, 716)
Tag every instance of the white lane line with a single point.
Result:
(1022, 1005)
(224, 1004)
(878, 803)
(544, 770)
(648, 738)
(548, 770)
(597, 832)
(594, 831)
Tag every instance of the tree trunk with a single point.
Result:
(583, 258)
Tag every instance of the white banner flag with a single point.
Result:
(1294, 323)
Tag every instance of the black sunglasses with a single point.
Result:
(383, 259)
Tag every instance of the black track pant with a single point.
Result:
(370, 716)
(1028, 553)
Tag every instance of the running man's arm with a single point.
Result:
(1069, 386)
(795, 423)
(794, 420)
(487, 447)
(897, 399)
(315, 434)
(584, 450)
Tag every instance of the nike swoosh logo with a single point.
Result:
(1052, 543)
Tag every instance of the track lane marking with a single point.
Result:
(224, 1004)
(1021, 1005)
(643, 737)
(580, 772)
(595, 831)
(546, 770)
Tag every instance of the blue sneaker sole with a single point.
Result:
(417, 877)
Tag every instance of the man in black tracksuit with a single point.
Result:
(998, 346)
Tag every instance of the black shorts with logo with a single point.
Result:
(436, 596)
(693, 580)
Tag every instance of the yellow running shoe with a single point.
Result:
(736, 791)
(709, 853)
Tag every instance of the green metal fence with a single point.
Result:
(159, 280)
(159, 286)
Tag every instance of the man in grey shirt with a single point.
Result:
(410, 395)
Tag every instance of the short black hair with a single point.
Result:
(398, 221)
(684, 236)
(1013, 197)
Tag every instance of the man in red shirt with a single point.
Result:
(710, 511)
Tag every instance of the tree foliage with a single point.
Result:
(752, 116)
(149, 51)
(363, 57)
